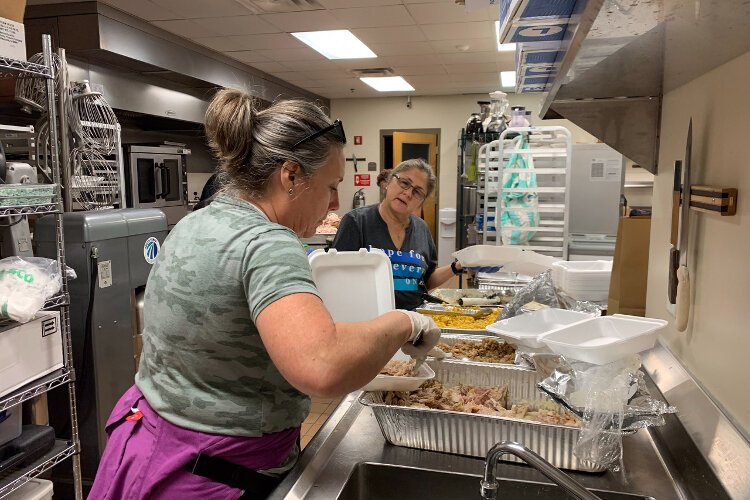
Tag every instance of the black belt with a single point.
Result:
(257, 486)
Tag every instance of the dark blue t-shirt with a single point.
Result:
(412, 264)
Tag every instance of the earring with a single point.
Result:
(291, 191)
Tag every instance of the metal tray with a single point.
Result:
(472, 434)
(454, 338)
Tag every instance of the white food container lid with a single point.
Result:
(354, 286)
(529, 328)
(605, 339)
(395, 383)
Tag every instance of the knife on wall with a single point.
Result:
(682, 310)
(674, 254)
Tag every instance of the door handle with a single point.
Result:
(165, 181)
(162, 193)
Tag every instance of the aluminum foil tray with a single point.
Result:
(472, 434)
(463, 331)
(453, 338)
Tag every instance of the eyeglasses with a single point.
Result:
(336, 129)
(406, 185)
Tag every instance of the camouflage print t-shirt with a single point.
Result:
(204, 366)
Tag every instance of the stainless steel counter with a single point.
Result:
(350, 446)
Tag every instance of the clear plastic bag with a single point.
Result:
(25, 285)
(611, 399)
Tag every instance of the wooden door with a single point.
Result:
(408, 145)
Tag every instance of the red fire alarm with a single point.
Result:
(357, 140)
(361, 179)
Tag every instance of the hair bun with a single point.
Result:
(229, 127)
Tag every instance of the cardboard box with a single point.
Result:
(12, 34)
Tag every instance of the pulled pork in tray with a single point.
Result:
(486, 351)
(399, 368)
(480, 400)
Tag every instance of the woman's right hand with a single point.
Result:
(430, 334)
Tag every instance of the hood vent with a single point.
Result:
(372, 72)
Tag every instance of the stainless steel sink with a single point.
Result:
(373, 481)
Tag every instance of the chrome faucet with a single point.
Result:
(489, 484)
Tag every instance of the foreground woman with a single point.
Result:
(235, 334)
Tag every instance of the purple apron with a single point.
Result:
(149, 457)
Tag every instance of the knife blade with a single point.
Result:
(674, 253)
(682, 311)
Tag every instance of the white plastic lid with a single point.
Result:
(354, 286)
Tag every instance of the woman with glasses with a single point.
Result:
(404, 237)
(235, 336)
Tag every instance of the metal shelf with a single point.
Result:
(40, 386)
(61, 299)
(15, 479)
(43, 209)
(16, 66)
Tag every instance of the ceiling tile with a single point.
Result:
(268, 67)
(436, 2)
(413, 60)
(465, 45)
(406, 71)
(314, 65)
(313, 20)
(329, 75)
(370, 17)
(186, 28)
(390, 34)
(191, 9)
(248, 56)
(238, 25)
(343, 4)
(411, 48)
(442, 13)
(456, 69)
(490, 57)
(220, 43)
(280, 55)
(266, 41)
(476, 78)
(348, 64)
(144, 9)
(454, 31)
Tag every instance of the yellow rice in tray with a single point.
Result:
(466, 322)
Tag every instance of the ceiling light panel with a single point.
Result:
(388, 84)
(508, 79)
(336, 44)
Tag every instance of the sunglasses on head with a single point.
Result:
(336, 129)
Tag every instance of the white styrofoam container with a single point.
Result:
(605, 339)
(10, 424)
(394, 383)
(527, 329)
(354, 286)
(29, 351)
(487, 255)
(35, 489)
(588, 295)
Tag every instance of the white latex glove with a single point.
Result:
(424, 332)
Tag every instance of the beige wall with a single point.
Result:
(366, 117)
(716, 345)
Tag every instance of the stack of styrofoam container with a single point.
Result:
(583, 280)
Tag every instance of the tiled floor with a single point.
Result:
(320, 410)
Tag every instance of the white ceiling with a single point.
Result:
(435, 44)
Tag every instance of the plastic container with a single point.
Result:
(10, 424)
(35, 489)
(605, 339)
(354, 286)
(527, 329)
(487, 255)
(395, 383)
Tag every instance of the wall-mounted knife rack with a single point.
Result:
(713, 200)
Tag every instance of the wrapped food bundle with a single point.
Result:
(26, 283)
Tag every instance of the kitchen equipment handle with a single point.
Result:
(166, 181)
(674, 264)
(683, 299)
(161, 191)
